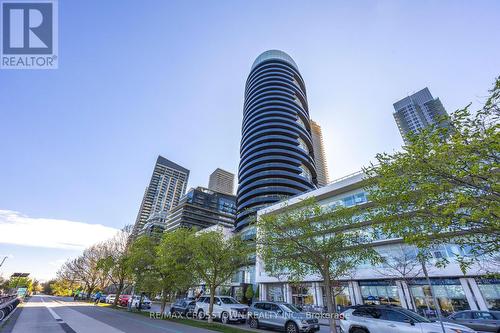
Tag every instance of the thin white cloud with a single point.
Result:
(19, 229)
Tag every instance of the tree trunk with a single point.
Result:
(118, 293)
(211, 305)
(330, 305)
(163, 301)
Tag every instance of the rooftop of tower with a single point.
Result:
(274, 54)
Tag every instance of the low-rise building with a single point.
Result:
(453, 289)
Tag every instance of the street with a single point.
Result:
(49, 314)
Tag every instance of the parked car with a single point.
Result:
(281, 315)
(123, 300)
(486, 321)
(225, 308)
(391, 319)
(146, 302)
(110, 299)
(183, 307)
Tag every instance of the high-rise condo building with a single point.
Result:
(168, 183)
(417, 111)
(201, 208)
(276, 152)
(221, 181)
(319, 153)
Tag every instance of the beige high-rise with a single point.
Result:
(319, 154)
(221, 181)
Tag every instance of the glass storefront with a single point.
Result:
(379, 292)
(275, 293)
(449, 294)
(302, 294)
(490, 289)
(342, 299)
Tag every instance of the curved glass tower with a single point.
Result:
(276, 153)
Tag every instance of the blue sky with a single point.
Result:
(142, 78)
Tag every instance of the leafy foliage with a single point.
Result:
(444, 185)
(215, 258)
(310, 239)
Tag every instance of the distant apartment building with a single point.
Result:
(319, 154)
(417, 111)
(221, 181)
(167, 185)
(201, 208)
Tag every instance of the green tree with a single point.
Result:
(444, 186)
(163, 267)
(115, 261)
(21, 282)
(216, 258)
(61, 287)
(141, 264)
(309, 239)
(249, 293)
(174, 256)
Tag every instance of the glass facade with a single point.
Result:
(302, 294)
(342, 298)
(490, 289)
(275, 292)
(449, 294)
(379, 292)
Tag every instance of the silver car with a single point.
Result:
(487, 321)
(390, 319)
(281, 315)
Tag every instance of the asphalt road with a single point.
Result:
(48, 314)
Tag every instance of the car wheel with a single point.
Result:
(358, 330)
(254, 323)
(201, 314)
(291, 328)
(224, 317)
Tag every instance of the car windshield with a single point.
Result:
(418, 318)
(290, 308)
(228, 300)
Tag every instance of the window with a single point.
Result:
(305, 172)
(266, 306)
(259, 306)
(483, 316)
(273, 308)
(393, 316)
(463, 315)
(303, 145)
(367, 312)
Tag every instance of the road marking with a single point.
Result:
(61, 322)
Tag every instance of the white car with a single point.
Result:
(225, 308)
(390, 319)
(110, 299)
(146, 302)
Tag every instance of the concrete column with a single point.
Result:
(318, 294)
(262, 292)
(468, 294)
(287, 293)
(483, 306)
(356, 297)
